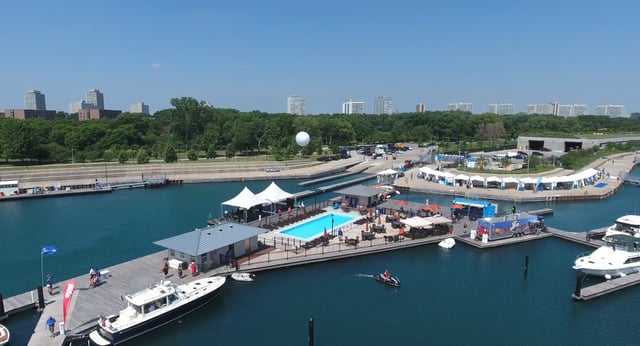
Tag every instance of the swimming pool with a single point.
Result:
(314, 228)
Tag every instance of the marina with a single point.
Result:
(278, 259)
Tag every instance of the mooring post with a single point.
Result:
(40, 299)
(1, 306)
(526, 266)
(576, 293)
(311, 332)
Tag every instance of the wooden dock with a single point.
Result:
(609, 286)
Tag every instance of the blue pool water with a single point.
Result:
(314, 228)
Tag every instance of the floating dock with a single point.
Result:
(609, 286)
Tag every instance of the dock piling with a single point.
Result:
(526, 266)
(40, 299)
(311, 332)
(576, 293)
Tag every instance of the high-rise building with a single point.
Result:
(96, 98)
(460, 106)
(541, 108)
(382, 105)
(565, 110)
(611, 110)
(139, 107)
(75, 107)
(500, 108)
(296, 105)
(34, 99)
(580, 110)
(421, 108)
(353, 107)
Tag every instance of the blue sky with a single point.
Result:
(253, 54)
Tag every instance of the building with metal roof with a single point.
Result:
(213, 245)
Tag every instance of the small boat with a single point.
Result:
(619, 256)
(243, 276)
(155, 307)
(447, 243)
(387, 279)
(4, 335)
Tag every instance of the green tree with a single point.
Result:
(170, 155)
(143, 156)
(192, 155)
(211, 152)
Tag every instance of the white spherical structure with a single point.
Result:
(302, 138)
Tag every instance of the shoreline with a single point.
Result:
(618, 166)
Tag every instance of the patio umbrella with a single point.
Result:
(430, 207)
(402, 202)
(379, 221)
(370, 212)
(457, 206)
(401, 231)
(366, 226)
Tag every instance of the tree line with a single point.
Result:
(202, 131)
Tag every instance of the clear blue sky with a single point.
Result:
(253, 54)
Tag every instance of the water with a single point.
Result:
(315, 227)
(460, 296)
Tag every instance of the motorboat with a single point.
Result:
(154, 307)
(619, 256)
(387, 279)
(4, 335)
(447, 243)
(628, 223)
(243, 276)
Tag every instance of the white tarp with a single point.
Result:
(416, 221)
(274, 193)
(246, 199)
(494, 179)
(461, 177)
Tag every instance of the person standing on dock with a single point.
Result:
(50, 284)
(51, 325)
(165, 269)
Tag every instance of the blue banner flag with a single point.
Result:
(49, 250)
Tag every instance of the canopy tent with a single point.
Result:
(416, 221)
(510, 182)
(438, 220)
(477, 180)
(245, 200)
(274, 193)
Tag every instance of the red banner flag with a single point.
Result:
(68, 294)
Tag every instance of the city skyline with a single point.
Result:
(549, 51)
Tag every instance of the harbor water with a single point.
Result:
(459, 296)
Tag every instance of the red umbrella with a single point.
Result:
(370, 212)
(457, 206)
(379, 220)
(402, 202)
(366, 226)
(431, 207)
(401, 232)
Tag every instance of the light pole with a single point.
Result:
(332, 225)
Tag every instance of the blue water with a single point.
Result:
(462, 296)
(316, 227)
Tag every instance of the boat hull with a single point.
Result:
(391, 281)
(154, 323)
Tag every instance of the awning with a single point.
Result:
(416, 221)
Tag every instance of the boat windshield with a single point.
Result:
(626, 227)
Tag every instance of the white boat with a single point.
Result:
(628, 223)
(154, 307)
(619, 256)
(242, 276)
(447, 243)
(4, 335)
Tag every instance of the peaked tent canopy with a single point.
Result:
(246, 199)
(274, 193)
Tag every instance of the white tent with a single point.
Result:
(246, 199)
(387, 172)
(274, 193)
(416, 221)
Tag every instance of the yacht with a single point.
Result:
(628, 223)
(619, 256)
(154, 307)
